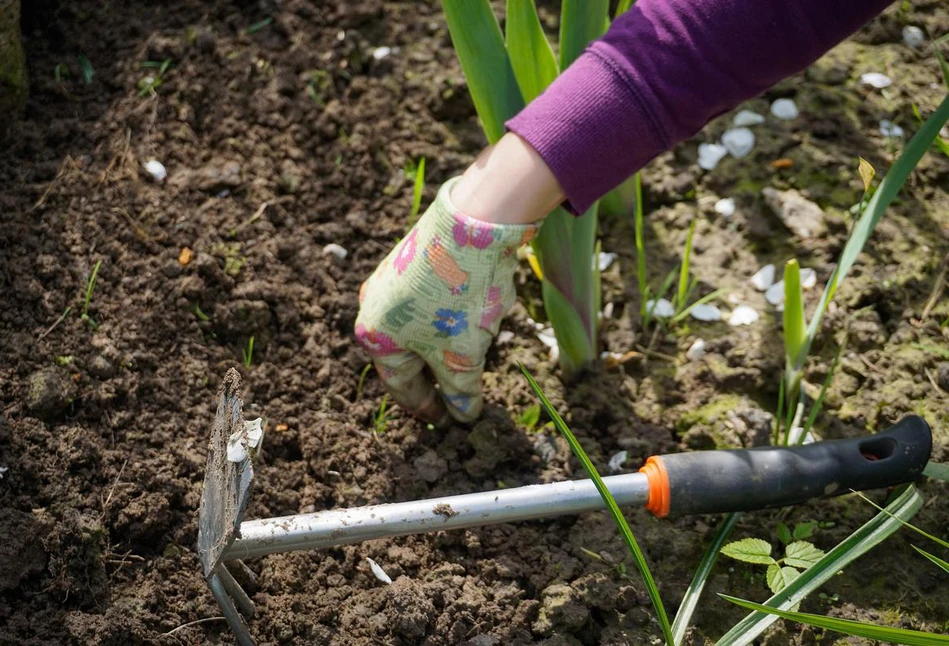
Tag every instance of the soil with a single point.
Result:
(281, 137)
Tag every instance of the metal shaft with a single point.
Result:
(354, 525)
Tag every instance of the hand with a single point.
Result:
(433, 306)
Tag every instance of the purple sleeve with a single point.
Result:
(662, 71)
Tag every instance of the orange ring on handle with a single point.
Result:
(660, 495)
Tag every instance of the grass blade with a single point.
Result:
(581, 21)
(611, 505)
(476, 37)
(622, 7)
(682, 293)
(937, 471)
(417, 188)
(907, 525)
(848, 627)
(871, 534)
(935, 559)
(640, 248)
(532, 58)
(794, 322)
(691, 599)
(702, 301)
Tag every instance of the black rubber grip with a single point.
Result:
(705, 482)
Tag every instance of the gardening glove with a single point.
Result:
(433, 306)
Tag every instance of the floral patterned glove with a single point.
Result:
(436, 302)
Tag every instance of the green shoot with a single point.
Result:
(86, 69)
(362, 380)
(148, 85)
(682, 294)
(382, 418)
(641, 277)
(937, 471)
(247, 354)
(530, 417)
(60, 72)
(417, 188)
(199, 313)
(257, 26)
(798, 555)
(611, 505)
(90, 287)
(935, 559)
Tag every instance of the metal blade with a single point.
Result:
(227, 485)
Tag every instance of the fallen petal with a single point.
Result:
(784, 109)
(335, 250)
(775, 293)
(696, 351)
(381, 52)
(661, 309)
(616, 462)
(747, 118)
(743, 315)
(763, 278)
(913, 36)
(877, 80)
(505, 336)
(156, 170)
(738, 141)
(378, 572)
(890, 129)
(705, 312)
(605, 260)
(725, 207)
(808, 278)
(2, 471)
(710, 155)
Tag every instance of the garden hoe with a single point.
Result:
(683, 483)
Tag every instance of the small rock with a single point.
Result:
(784, 109)
(616, 462)
(710, 155)
(661, 309)
(804, 218)
(560, 611)
(942, 375)
(335, 250)
(216, 177)
(696, 351)
(738, 141)
(876, 80)
(763, 278)
(50, 393)
(890, 129)
(706, 312)
(505, 336)
(101, 367)
(743, 315)
(156, 170)
(775, 293)
(913, 36)
(725, 207)
(545, 447)
(747, 118)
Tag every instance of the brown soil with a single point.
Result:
(283, 140)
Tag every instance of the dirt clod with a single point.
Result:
(49, 393)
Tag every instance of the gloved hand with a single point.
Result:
(435, 302)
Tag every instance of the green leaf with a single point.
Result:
(849, 627)
(867, 172)
(690, 600)
(576, 348)
(804, 530)
(611, 506)
(780, 577)
(477, 39)
(784, 533)
(682, 292)
(530, 417)
(937, 471)
(581, 22)
(795, 349)
(871, 534)
(417, 188)
(935, 559)
(535, 65)
(622, 7)
(802, 554)
(750, 550)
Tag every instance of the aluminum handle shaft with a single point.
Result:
(357, 524)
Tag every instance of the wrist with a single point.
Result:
(509, 183)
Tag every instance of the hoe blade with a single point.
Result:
(227, 484)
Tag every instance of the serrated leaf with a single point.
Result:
(802, 554)
(804, 530)
(749, 550)
(867, 172)
(780, 576)
(784, 533)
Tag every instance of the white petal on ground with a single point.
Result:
(548, 338)
(877, 80)
(236, 448)
(2, 471)
(616, 462)
(763, 278)
(890, 129)
(608, 310)
(808, 278)
(254, 432)
(335, 250)
(747, 118)
(605, 260)
(378, 572)
(743, 315)
(661, 309)
(381, 52)
(913, 36)
(156, 170)
(738, 141)
(706, 312)
(696, 351)
(725, 207)
(505, 336)
(710, 155)
(775, 293)
(784, 109)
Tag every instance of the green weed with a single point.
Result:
(247, 354)
(87, 301)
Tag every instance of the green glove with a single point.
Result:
(435, 302)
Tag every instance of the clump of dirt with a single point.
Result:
(284, 128)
